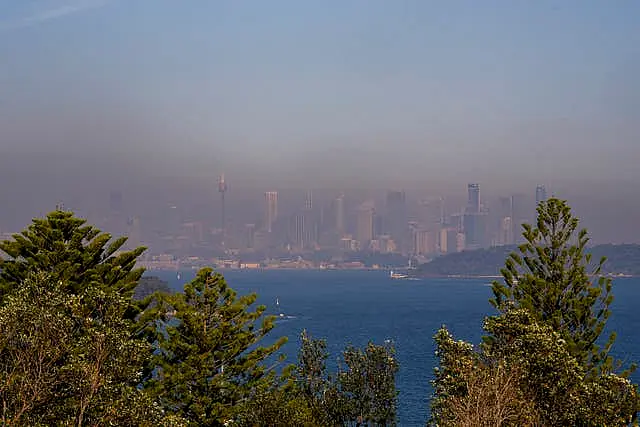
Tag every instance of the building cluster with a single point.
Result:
(335, 227)
(393, 226)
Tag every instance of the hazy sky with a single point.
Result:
(511, 91)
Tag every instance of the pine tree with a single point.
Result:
(548, 276)
(67, 349)
(69, 250)
(541, 351)
(210, 363)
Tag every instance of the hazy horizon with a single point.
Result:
(100, 94)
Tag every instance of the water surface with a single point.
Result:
(353, 307)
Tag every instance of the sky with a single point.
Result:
(276, 93)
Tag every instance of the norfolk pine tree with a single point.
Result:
(210, 364)
(65, 298)
(70, 250)
(544, 340)
(548, 276)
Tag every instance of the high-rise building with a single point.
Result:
(505, 207)
(475, 230)
(505, 224)
(506, 231)
(522, 212)
(424, 242)
(432, 213)
(222, 189)
(271, 209)
(448, 240)
(474, 219)
(473, 204)
(340, 215)
(250, 230)
(541, 194)
(134, 233)
(365, 219)
(308, 200)
(298, 235)
(461, 244)
(396, 218)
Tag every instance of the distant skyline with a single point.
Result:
(158, 98)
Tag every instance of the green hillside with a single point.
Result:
(621, 259)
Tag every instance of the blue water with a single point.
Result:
(353, 307)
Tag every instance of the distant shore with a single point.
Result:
(400, 269)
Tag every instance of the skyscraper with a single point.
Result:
(432, 213)
(364, 230)
(504, 217)
(271, 209)
(473, 204)
(298, 236)
(424, 242)
(397, 217)
(541, 194)
(473, 221)
(340, 215)
(506, 231)
(222, 189)
(448, 240)
(521, 213)
(308, 200)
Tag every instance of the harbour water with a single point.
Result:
(353, 307)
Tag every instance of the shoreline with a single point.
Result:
(425, 276)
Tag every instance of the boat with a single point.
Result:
(278, 306)
(398, 275)
(178, 276)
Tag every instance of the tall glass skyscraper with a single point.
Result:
(473, 204)
(271, 209)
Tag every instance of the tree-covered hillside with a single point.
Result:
(621, 259)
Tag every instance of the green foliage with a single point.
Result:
(480, 262)
(320, 391)
(278, 402)
(621, 259)
(535, 371)
(548, 276)
(147, 286)
(209, 362)
(472, 389)
(368, 382)
(71, 251)
(362, 393)
(69, 359)
(541, 350)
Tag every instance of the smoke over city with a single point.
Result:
(155, 100)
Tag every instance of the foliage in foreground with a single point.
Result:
(363, 391)
(73, 252)
(548, 276)
(69, 359)
(78, 347)
(209, 362)
(541, 350)
(527, 376)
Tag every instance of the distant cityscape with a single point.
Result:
(332, 231)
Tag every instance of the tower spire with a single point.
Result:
(222, 189)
